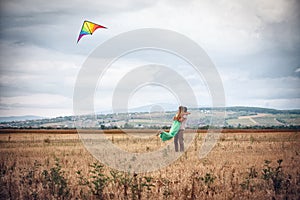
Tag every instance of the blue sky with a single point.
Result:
(255, 45)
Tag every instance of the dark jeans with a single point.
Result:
(179, 138)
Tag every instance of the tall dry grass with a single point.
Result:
(50, 165)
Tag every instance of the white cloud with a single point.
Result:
(259, 91)
(231, 27)
(46, 105)
(36, 100)
(40, 57)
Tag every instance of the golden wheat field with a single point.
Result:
(244, 164)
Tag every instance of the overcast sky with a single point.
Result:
(255, 46)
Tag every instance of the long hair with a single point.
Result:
(178, 114)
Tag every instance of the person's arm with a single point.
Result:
(186, 113)
(176, 117)
(183, 117)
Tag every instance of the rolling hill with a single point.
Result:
(235, 117)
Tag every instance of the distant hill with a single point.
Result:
(262, 110)
(19, 118)
(153, 116)
(146, 108)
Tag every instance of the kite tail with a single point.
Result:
(173, 131)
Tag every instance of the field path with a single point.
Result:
(250, 117)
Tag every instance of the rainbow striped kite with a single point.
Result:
(88, 28)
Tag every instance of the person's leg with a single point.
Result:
(180, 138)
(176, 142)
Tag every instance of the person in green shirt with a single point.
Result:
(179, 136)
(177, 119)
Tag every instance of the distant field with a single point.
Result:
(242, 165)
(234, 117)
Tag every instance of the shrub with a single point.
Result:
(55, 181)
(275, 174)
(97, 180)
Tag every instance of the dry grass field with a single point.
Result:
(244, 164)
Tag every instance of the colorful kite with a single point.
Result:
(88, 28)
